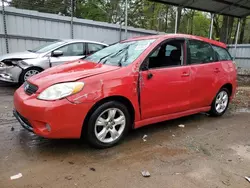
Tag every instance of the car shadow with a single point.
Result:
(156, 134)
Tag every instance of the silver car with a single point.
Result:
(18, 67)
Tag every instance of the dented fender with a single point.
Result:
(39, 62)
(108, 86)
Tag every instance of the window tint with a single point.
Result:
(200, 52)
(92, 48)
(76, 49)
(169, 49)
(167, 55)
(222, 54)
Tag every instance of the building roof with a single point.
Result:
(234, 8)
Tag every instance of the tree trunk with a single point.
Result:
(166, 20)
(216, 26)
(152, 19)
(192, 20)
(230, 29)
(223, 30)
(242, 31)
(179, 10)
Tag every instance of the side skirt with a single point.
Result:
(148, 121)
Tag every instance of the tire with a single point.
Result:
(23, 77)
(104, 122)
(216, 110)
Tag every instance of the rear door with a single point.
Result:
(71, 52)
(205, 71)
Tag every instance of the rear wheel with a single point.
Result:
(108, 124)
(27, 73)
(220, 103)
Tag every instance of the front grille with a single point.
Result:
(23, 121)
(30, 88)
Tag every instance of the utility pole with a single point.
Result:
(5, 28)
(71, 21)
(126, 19)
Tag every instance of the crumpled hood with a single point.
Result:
(69, 72)
(19, 55)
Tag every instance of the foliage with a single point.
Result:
(143, 14)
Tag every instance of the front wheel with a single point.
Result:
(108, 124)
(220, 103)
(27, 73)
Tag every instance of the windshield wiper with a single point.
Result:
(125, 59)
(30, 51)
(100, 60)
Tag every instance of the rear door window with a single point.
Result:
(200, 52)
(222, 54)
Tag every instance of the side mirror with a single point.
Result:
(56, 53)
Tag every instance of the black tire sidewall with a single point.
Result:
(213, 110)
(91, 137)
(21, 77)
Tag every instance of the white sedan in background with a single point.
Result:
(18, 67)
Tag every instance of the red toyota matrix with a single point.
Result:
(128, 85)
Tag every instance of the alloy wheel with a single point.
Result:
(221, 101)
(30, 73)
(110, 125)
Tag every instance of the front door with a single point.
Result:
(165, 84)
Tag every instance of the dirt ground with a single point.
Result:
(208, 152)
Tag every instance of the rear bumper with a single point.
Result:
(50, 119)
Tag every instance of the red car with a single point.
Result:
(128, 85)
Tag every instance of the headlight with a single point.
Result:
(59, 91)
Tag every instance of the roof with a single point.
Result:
(235, 8)
(80, 40)
(168, 36)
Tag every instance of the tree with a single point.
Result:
(143, 14)
(242, 30)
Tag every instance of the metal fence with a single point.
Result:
(24, 29)
(242, 55)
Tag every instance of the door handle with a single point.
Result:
(149, 76)
(216, 70)
(185, 74)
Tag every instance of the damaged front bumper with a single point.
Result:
(9, 73)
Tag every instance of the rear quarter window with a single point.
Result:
(222, 54)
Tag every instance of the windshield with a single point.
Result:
(120, 54)
(47, 47)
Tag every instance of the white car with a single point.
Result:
(18, 67)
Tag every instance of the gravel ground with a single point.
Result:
(207, 152)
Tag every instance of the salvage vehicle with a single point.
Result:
(128, 85)
(18, 67)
